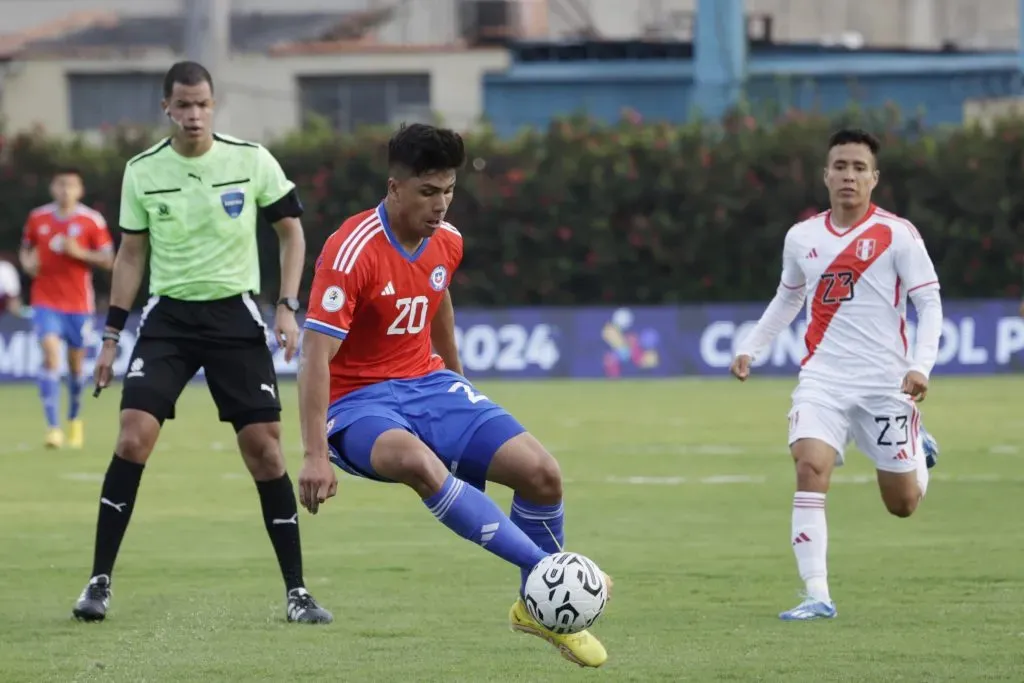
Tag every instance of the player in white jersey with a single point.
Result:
(860, 381)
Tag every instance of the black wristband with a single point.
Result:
(117, 318)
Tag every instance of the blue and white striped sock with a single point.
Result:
(473, 515)
(545, 524)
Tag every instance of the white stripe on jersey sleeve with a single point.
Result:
(350, 261)
(324, 328)
(353, 238)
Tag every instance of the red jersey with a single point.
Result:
(380, 299)
(63, 283)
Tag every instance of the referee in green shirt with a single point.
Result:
(191, 201)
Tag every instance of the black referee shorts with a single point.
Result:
(225, 337)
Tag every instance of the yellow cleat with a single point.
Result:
(579, 648)
(76, 434)
(54, 438)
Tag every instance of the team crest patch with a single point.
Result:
(333, 299)
(439, 278)
(233, 202)
(74, 230)
(865, 249)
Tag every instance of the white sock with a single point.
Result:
(810, 542)
(922, 468)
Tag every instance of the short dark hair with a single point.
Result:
(66, 170)
(186, 73)
(420, 148)
(854, 136)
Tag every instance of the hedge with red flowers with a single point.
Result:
(582, 213)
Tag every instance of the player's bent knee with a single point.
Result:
(137, 437)
(900, 493)
(260, 444)
(524, 465)
(400, 456)
(904, 506)
(814, 461)
(544, 483)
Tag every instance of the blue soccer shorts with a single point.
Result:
(460, 425)
(73, 328)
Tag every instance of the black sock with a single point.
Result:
(281, 517)
(117, 499)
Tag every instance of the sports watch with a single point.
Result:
(289, 302)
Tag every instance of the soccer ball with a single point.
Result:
(565, 593)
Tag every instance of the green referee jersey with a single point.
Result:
(200, 214)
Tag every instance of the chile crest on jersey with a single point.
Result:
(439, 278)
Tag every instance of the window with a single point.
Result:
(110, 99)
(352, 101)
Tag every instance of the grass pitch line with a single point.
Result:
(758, 479)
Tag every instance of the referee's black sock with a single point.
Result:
(281, 516)
(117, 499)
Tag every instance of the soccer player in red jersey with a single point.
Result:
(63, 242)
(378, 403)
(855, 265)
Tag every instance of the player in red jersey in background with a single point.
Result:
(378, 403)
(855, 265)
(63, 242)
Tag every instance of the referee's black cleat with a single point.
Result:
(95, 598)
(303, 609)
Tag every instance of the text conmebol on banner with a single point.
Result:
(978, 337)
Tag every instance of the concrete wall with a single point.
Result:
(259, 94)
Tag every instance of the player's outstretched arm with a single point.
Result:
(788, 300)
(783, 308)
(317, 481)
(442, 334)
(917, 273)
(928, 305)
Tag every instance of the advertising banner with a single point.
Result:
(978, 338)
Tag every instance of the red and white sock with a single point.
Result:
(810, 542)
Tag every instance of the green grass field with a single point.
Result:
(681, 490)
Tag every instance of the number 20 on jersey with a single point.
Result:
(412, 315)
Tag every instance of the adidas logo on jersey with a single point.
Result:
(813, 253)
(389, 290)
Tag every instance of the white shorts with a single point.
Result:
(886, 427)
